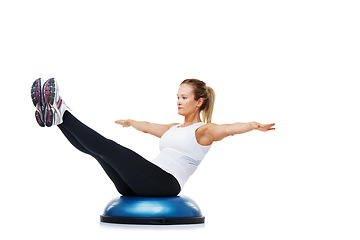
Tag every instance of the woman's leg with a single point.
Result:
(119, 183)
(142, 177)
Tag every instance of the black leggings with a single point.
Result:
(132, 174)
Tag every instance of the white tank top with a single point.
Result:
(180, 153)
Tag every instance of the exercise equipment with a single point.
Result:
(152, 210)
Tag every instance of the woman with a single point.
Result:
(182, 146)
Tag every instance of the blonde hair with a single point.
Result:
(206, 93)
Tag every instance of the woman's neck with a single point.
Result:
(190, 120)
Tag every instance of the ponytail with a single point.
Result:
(209, 107)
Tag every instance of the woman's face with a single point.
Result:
(186, 100)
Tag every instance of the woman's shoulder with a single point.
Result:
(206, 127)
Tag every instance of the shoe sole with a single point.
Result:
(36, 99)
(50, 91)
(49, 117)
(38, 119)
(36, 91)
(50, 95)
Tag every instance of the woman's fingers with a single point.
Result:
(124, 123)
(266, 127)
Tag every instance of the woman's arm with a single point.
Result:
(152, 128)
(214, 132)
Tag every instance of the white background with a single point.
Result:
(295, 63)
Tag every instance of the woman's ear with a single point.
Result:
(199, 102)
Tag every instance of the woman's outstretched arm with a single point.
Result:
(213, 132)
(152, 128)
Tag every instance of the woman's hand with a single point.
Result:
(263, 127)
(124, 123)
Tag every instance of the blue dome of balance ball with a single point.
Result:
(152, 210)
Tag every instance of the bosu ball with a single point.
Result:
(152, 210)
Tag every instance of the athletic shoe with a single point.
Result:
(38, 101)
(55, 106)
